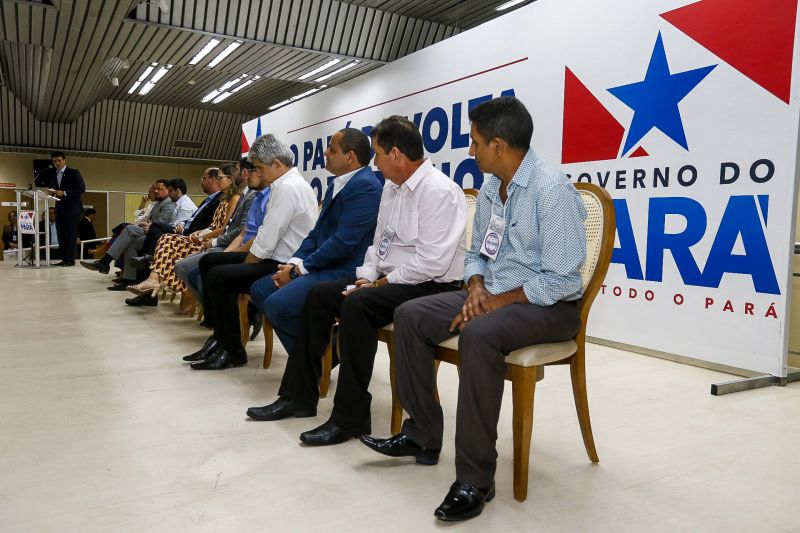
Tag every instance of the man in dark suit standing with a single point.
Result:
(67, 185)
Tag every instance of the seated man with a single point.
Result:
(172, 247)
(86, 230)
(132, 236)
(244, 223)
(336, 245)
(188, 217)
(523, 275)
(291, 215)
(417, 250)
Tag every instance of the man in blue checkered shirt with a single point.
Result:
(523, 279)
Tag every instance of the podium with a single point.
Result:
(28, 224)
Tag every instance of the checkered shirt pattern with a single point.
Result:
(544, 243)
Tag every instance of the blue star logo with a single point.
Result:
(655, 100)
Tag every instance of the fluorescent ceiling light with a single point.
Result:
(147, 88)
(232, 82)
(134, 87)
(160, 74)
(147, 72)
(307, 93)
(280, 104)
(337, 71)
(222, 97)
(512, 3)
(210, 96)
(317, 70)
(210, 45)
(225, 53)
(242, 86)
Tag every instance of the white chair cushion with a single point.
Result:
(538, 354)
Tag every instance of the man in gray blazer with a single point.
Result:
(131, 238)
(185, 267)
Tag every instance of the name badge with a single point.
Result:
(386, 242)
(490, 246)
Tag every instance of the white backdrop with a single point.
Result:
(701, 93)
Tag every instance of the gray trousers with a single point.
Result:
(185, 266)
(421, 324)
(129, 242)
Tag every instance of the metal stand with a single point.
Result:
(38, 197)
(758, 382)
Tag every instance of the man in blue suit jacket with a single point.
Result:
(336, 245)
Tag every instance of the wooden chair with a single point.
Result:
(526, 365)
(384, 334)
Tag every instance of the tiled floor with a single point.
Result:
(103, 428)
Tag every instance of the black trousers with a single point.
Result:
(156, 230)
(67, 231)
(419, 326)
(224, 278)
(362, 314)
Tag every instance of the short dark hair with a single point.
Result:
(356, 141)
(213, 172)
(245, 164)
(397, 131)
(177, 183)
(90, 211)
(505, 118)
(164, 181)
(58, 153)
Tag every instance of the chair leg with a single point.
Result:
(523, 386)
(397, 409)
(327, 364)
(577, 369)
(267, 329)
(244, 321)
(172, 297)
(199, 312)
(436, 364)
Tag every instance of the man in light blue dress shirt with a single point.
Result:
(523, 277)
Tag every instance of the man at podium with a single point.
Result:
(67, 185)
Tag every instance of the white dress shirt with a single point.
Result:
(143, 214)
(429, 216)
(338, 184)
(184, 210)
(291, 214)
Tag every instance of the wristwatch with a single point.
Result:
(293, 274)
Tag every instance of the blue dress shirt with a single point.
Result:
(544, 243)
(256, 215)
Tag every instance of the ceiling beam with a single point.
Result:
(129, 20)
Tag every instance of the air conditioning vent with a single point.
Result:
(188, 145)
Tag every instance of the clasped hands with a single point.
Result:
(479, 302)
(282, 277)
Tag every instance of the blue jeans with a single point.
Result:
(283, 306)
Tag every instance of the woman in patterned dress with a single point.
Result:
(172, 247)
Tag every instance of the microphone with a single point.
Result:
(36, 176)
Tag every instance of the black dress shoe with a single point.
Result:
(143, 261)
(463, 502)
(402, 446)
(280, 409)
(221, 359)
(121, 286)
(209, 347)
(143, 300)
(97, 266)
(329, 433)
(65, 264)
